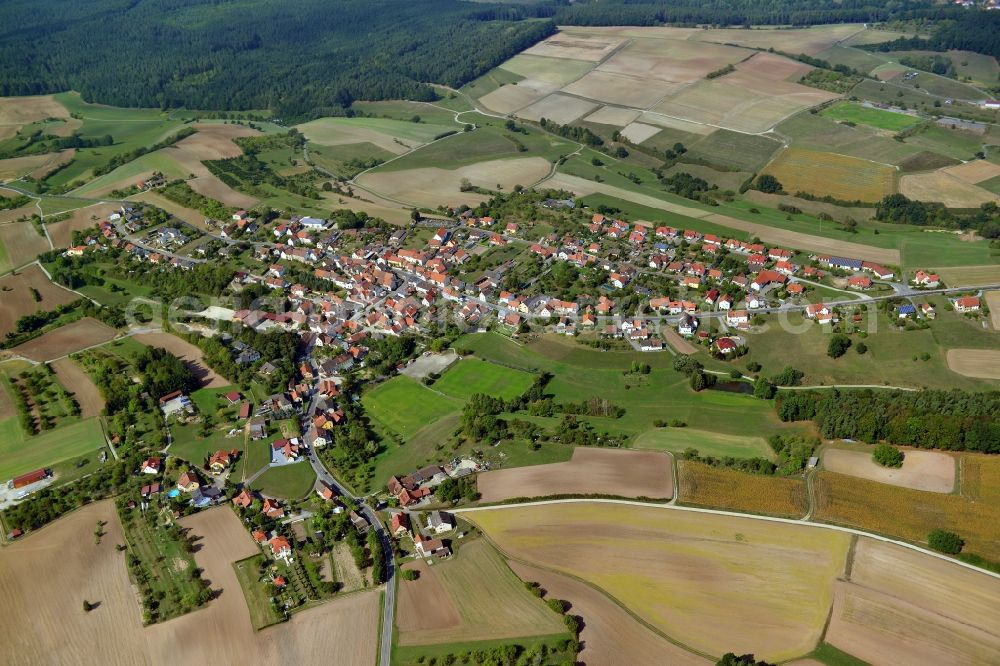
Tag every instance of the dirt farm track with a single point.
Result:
(45, 577)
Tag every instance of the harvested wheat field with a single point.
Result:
(840, 176)
(613, 88)
(612, 115)
(23, 242)
(964, 276)
(61, 233)
(932, 471)
(592, 48)
(944, 188)
(609, 635)
(346, 627)
(637, 132)
(981, 363)
(992, 299)
(17, 299)
(589, 472)
(903, 607)
(432, 186)
(366, 202)
(561, 109)
(672, 568)
(68, 339)
(15, 214)
(78, 382)
(186, 351)
(974, 172)
(36, 166)
(44, 579)
(16, 112)
(767, 234)
(488, 600)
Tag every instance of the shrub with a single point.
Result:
(767, 183)
(888, 456)
(839, 344)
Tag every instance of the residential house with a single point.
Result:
(188, 482)
(439, 522)
(967, 304)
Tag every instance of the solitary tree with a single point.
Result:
(945, 542)
(839, 344)
(767, 183)
(887, 456)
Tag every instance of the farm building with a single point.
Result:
(30, 477)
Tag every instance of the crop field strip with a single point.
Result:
(720, 488)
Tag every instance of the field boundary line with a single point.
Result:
(735, 514)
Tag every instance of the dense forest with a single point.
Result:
(309, 58)
(949, 420)
(734, 12)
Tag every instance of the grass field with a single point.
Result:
(488, 600)
(191, 446)
(671, 568)
(745, 152)
(471, 376)
(287, 481)
(720, 488)
(708, 443)
(262, 613)
(405, 406)
(395, 136)
(907, 514)
(863, 115)
(20, 454)
(839, 176)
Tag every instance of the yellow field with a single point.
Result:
(840, 176)
(962, 276)
(944, 188)
(713, 583)
(980, 478)
(908, 514)
(722, 488)
(489, 600)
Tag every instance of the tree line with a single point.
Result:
(948, 420)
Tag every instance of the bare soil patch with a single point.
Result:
(428, 363)
(614, 88)
(432, 186)
(589, 472)
(67, 339)
(810, 40)
(23, 242)
(17, 299)
(511, 97)
(982, 363)
(944, 188)
(609, 635)
(903, 607)
(187, 352)
(15, 214)
(44, 579)
(675, 340)
(423, 603)
(922, 470)
(78, 382)
(61, 233)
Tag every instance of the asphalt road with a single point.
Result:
(389, 605)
